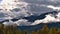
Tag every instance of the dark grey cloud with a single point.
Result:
(39, 9)
(47, 2)
(35, 6)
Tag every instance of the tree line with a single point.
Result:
(44, 30)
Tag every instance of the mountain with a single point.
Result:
(42, 16)
(33, 17)
(39, 26)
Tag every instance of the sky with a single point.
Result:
(10, 9)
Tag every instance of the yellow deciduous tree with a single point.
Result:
(18, 32)
(58, 31)
(52, 31)
(33, 32)
(45, 30)
(25, 32)
(7, 32)
(39, 31)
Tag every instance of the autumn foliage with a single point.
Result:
(44, 30)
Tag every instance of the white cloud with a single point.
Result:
(25, 8)
(48, 19)
(21, 22)
(54, 0)
(28, 8)
(53, 7)
(7, 7)
(9, 23)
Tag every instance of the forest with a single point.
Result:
(44, 30)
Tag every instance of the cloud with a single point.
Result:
(46, 2)
(53, 7)
(9, 23)
(48, 19)
(14, 9)
(25, 8)
(38, 7)
(21, 22)
(54, 0)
